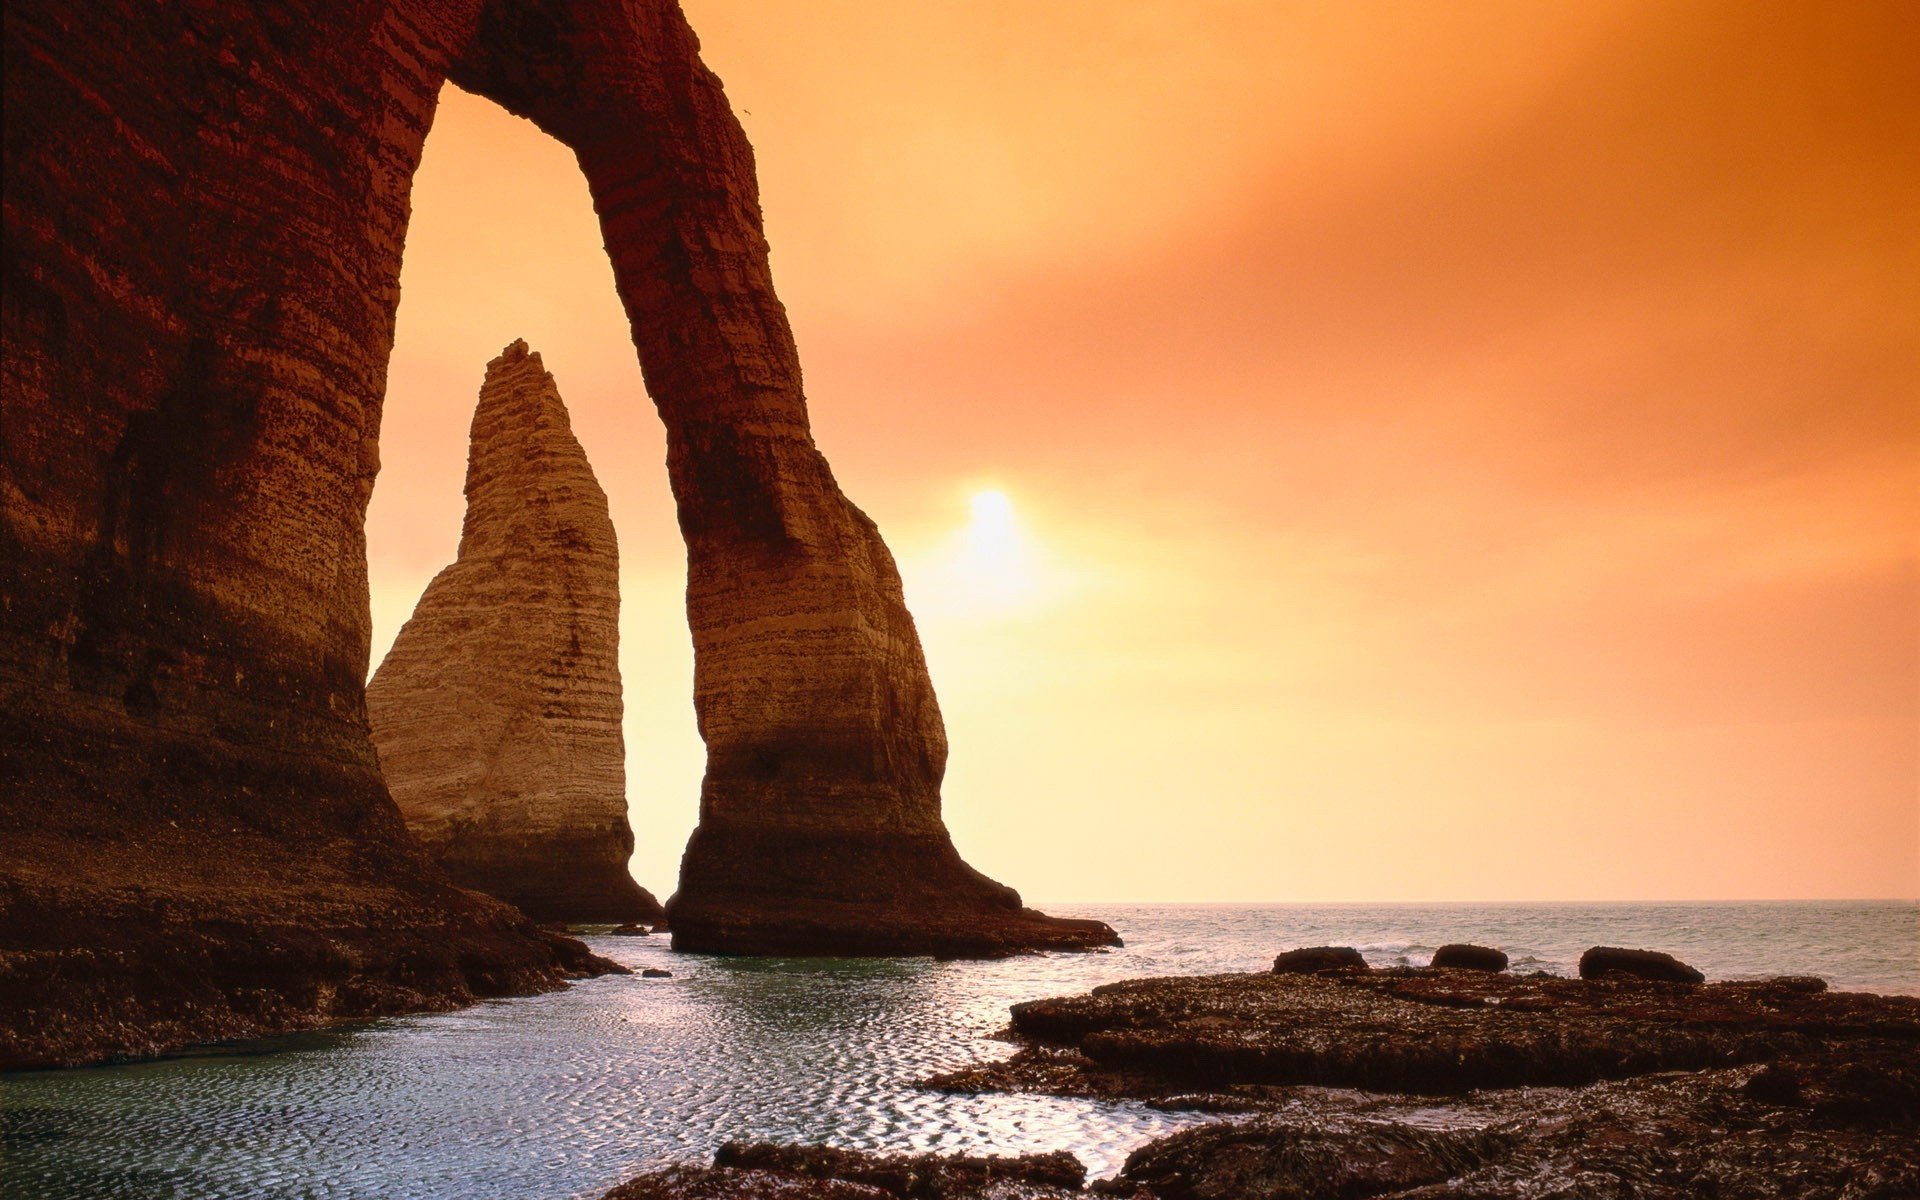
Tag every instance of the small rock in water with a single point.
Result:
(630, 930)
(656, 973)
(1464, 956)
(1309, 960)
(1641, 964)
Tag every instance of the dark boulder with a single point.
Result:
(1310, 960)
(630, 929)
(1463, 956)
(656, 973)
(1641, 964)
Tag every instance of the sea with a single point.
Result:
(567, 1094)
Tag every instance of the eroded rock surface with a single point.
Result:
(759, 1171)
(1431, 1084)
(497, 712)
(1671, 1136)
(1836, 1124)
(1298, 1158)
(1419, 1031)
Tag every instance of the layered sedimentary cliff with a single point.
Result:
(497, 712)
(204, 214)
(204, 208)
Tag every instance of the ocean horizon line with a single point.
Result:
(1056, 901)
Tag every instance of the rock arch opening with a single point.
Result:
(819, 824)
(503, 245)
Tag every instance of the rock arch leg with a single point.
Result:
(204, 209)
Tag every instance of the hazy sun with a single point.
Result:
(996, 568)
(992, 566)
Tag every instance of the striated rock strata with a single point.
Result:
(204, 211)
(497, 712)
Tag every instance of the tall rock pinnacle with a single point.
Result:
(497, 712)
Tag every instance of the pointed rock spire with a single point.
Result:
(497, 712)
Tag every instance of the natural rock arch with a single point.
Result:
(204, 213)
(820, 819)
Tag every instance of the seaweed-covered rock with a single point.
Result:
(1669, 1136)
(760, 1171)
(1463, 956)
(1641, 964)
(1424, 1031)
(1310, 959)
(1420, 1085)
(716, 1183)
(1277, 1158)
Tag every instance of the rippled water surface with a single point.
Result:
(564, 1095)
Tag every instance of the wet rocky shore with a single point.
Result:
(1335, 1080)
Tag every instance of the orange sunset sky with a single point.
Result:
(1392, 451)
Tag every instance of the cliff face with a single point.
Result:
(204, 211)
(497, 712)
(204, 208)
